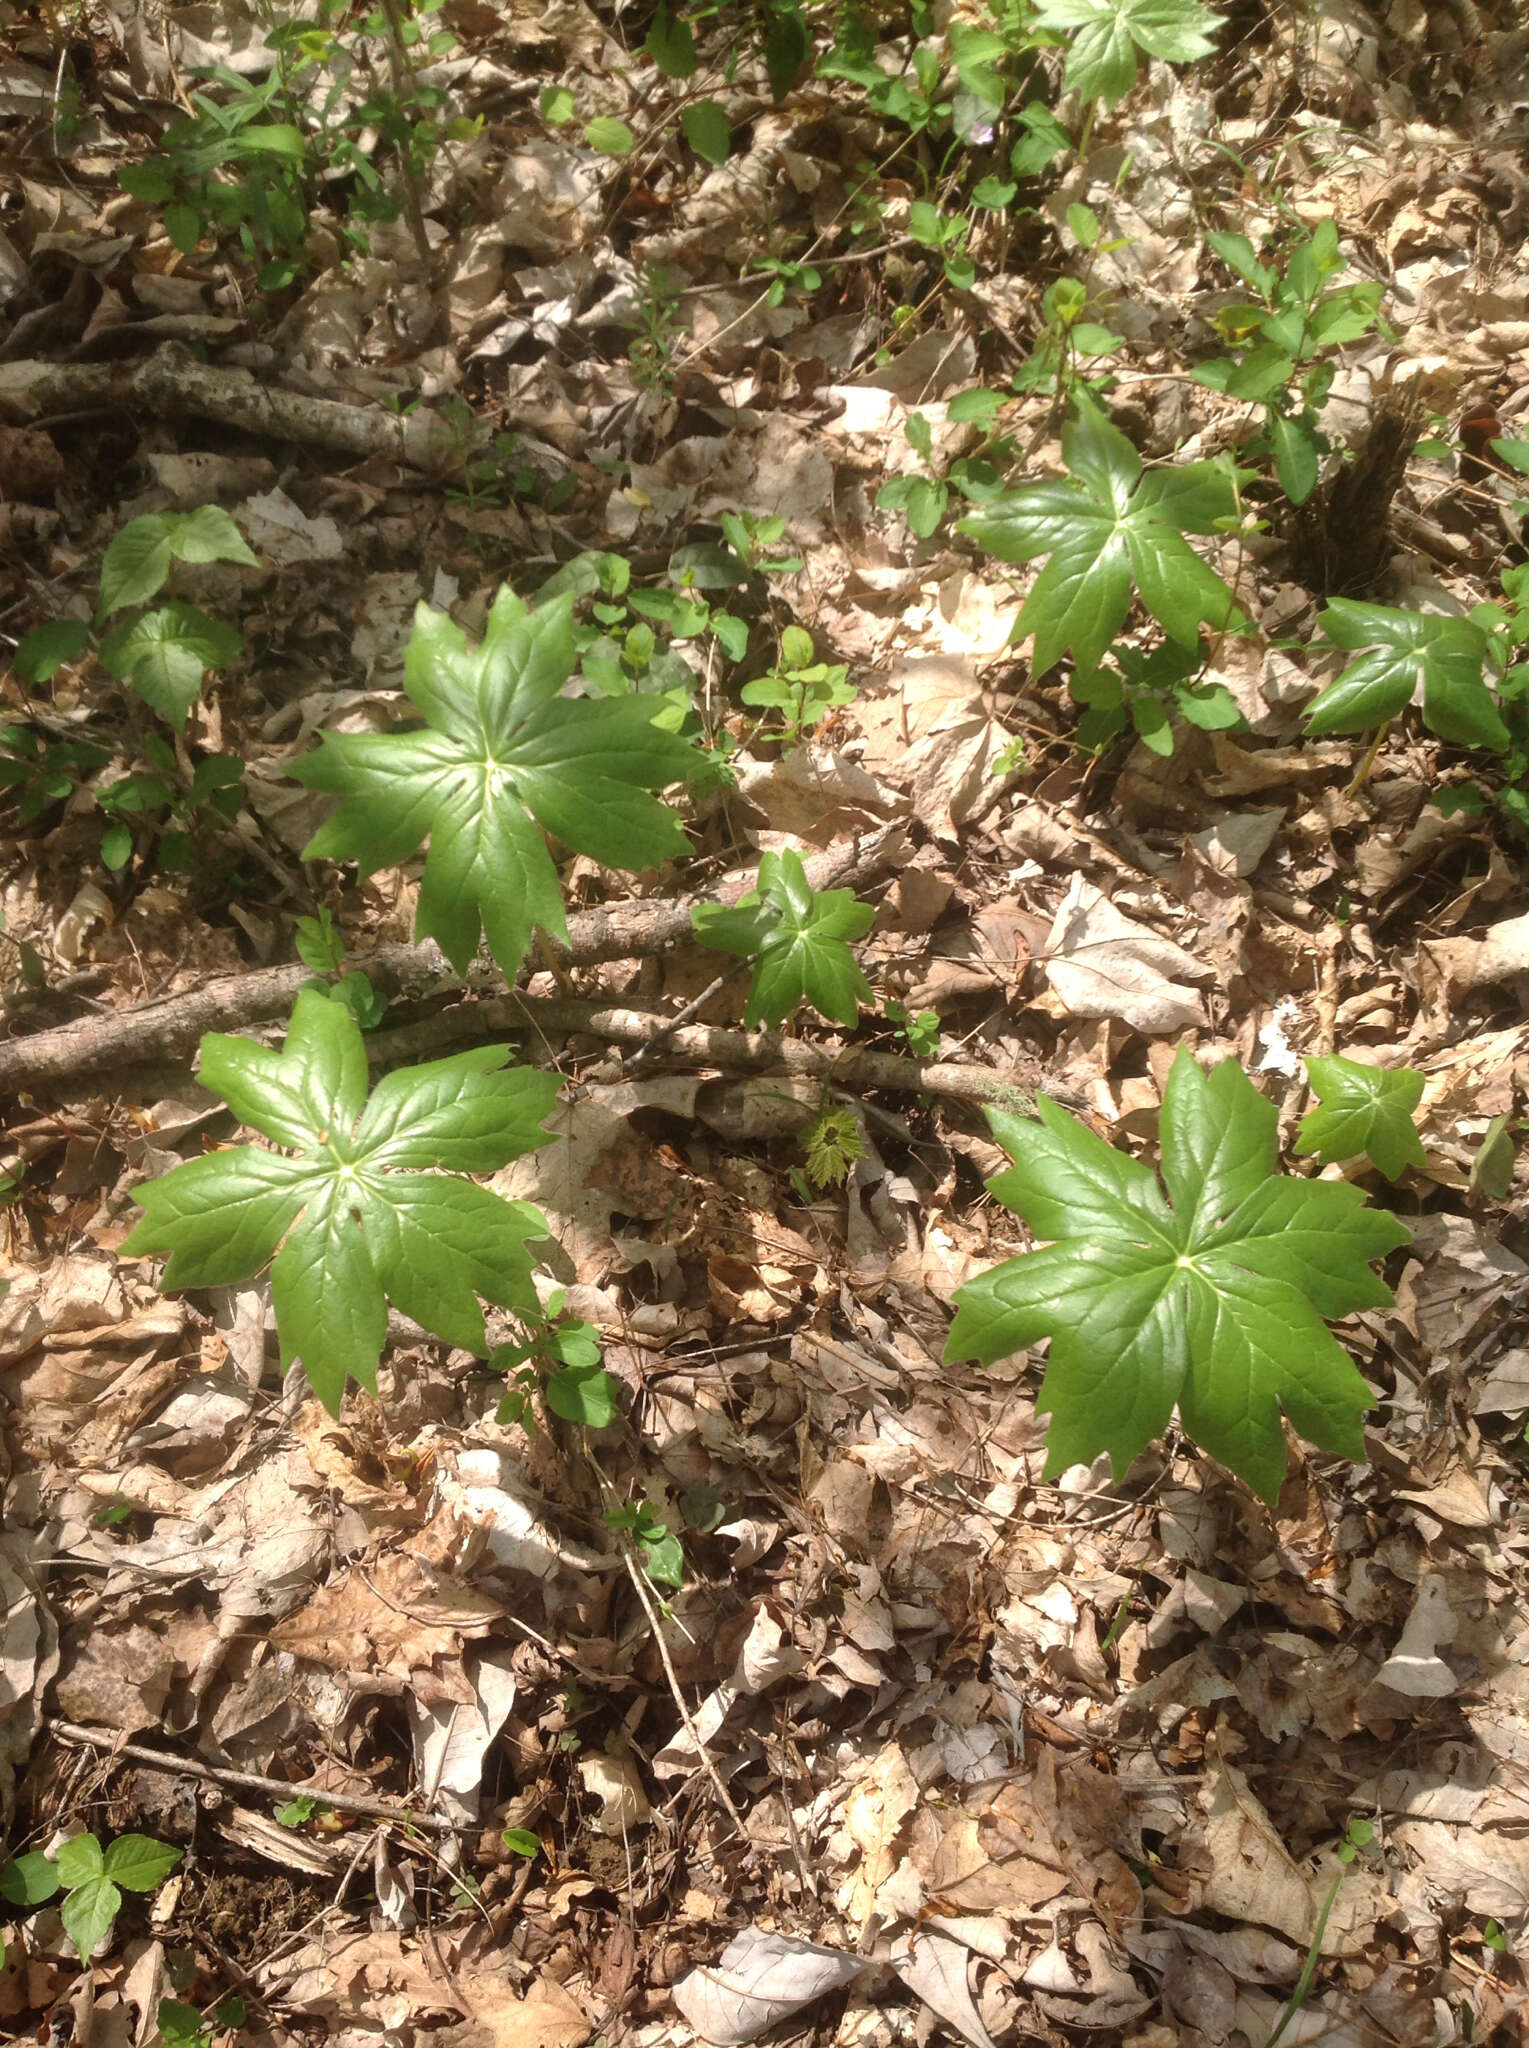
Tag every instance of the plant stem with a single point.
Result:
(1297, 1997)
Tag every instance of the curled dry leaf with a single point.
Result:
(759, 1980)
(1102, 963)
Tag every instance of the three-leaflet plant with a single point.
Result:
(1278, 345)
(502, 756)
(1108, 527)
(1213, 1296)
(798, 939)
(92, 1880)
(163, 653)
(367, 1201)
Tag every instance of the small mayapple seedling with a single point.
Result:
(799, 941)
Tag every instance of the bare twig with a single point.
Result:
(168, 1029)
(856, 1068)
(251, 1781)
(634, 1573)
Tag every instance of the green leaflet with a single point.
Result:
(801, 939)
(1364, 1109)
(1210, 1297)
(138, 560)
(501, 758)
(351, 1215)
(1101, 64)
(1446, 657)
(1109, 527)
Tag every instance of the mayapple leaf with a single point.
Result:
(1363, 1110)
(1207, 1291)
(501, 758)
(1444, 656)
(349, 1215)
(802, 940)
(1105, 529)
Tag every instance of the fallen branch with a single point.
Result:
(168, 1030)
(172, 383)
(856, 1069)
(251, 1781)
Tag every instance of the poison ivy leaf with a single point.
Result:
(369, 1208)
(136, 564)
(584, 1393)
(79, 1859)
(30, 1881)
(1108, 527)
(671, 44)
(801, 938)
(502, 756)
(921, 499)
(1043, 140)
(1211, 1296)
(1101, 64)
(164, 654)
(89, 1913)
(1364, 1110)
(44, 651)
(1445, 657)
(139, 1862)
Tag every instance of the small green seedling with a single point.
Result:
(321, 948)
(1148, 691)
(183, 2026)
(521, 1842)
(299, 1810)
(660, 1550)
(799, 942)
(1364, 1110)
(920, 1029)
(1278, 345)
(92, 1880)
(1360, 1835)
(561, 1359)
(833, 1141)
(164, 653)
(1213, 1296)
(800, 688)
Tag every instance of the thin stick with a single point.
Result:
(639, 1059)
(251, 1781)
(634, 1573)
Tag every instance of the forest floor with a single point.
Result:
(949, 1745)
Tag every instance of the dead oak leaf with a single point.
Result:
(394, 1617)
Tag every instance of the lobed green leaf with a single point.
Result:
(1213, 1300)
